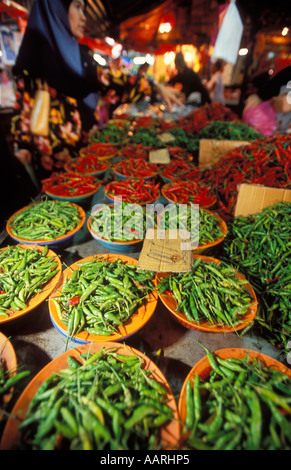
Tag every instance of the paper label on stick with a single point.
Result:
(254, 198)
(168, 251)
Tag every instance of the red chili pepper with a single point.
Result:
(74, 300)
(132, 190)
(136, 168)
(70, 184)
(87, 164)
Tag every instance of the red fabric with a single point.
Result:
(96, 44)
(13, 10)
(280, 64)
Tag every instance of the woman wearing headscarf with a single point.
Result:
(50, 56)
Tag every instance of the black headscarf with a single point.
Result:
(50, 51)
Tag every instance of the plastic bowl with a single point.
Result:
(171, 304)
(124, 247)
(169, 433)
(77, 199)
(98, 172)
(133, 324)
(206, 246)
(203, 368)
(8, 361)
(56, 243)
(103, 151)
(46, 290)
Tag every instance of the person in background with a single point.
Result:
(215, 85)
(189, 80)
(50, 55)
(276, 94)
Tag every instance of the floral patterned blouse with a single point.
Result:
(66, 134)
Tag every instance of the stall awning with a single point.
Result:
(96, 44)
(13, 9)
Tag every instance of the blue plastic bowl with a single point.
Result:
(122, 247)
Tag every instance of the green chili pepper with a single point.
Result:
(243, 410)
(211, 292)
(259, 247)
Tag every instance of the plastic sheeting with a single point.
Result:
(229, 36)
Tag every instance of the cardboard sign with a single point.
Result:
(159, 156)
(254, 198)
(166, 137)
(211, 150)
(170, 253)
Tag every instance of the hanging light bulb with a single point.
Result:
(101, 60)
(165, 28)
(243, 51)
(167, 23)
(285, 31)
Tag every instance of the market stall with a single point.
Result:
(42, 331)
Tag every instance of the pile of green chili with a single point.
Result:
(45, 220)
(234, 130)
(147, 136)
(23, 273)
(259, 246)
(206, 230)
(104, 400)
(101, 296)
(111, 134)
(185, 140)
(121, 222)
(210, 292)
(8, 379)
(241, 405)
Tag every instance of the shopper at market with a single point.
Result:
(215, 84)
(50, 55)
(189, 80)
(269, 109)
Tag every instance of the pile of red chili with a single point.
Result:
(186, 192)
(133, 151)
(100, 149)
(70, 184)
(175, 169)
(142, 121)
(178, 153)
(266, 161)
(87, 165)
(131, 190)
(139, 168)
(201, 117)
